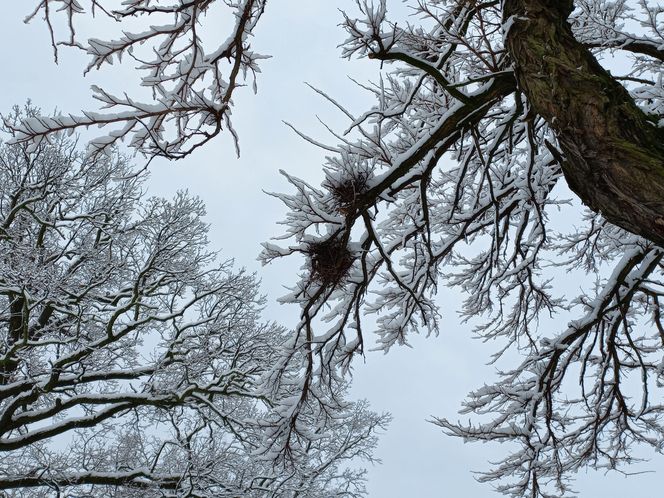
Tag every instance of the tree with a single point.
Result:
(131, 361)
(453, 177)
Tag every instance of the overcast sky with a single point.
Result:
(415, 384)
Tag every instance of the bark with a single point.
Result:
(17, 324)
(614, 153)
(132, 479)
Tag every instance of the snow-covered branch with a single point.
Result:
(191, 80)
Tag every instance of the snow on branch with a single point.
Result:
(191, 82)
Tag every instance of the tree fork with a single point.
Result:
(614, 154)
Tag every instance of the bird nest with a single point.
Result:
(331, 261)
(346, 192)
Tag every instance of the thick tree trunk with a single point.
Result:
(614, 155)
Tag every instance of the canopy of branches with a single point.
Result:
(131, 360)
(452, 177)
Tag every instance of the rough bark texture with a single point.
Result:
(614, 155)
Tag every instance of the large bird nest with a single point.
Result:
(330, 260)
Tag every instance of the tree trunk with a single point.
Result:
(614, 155)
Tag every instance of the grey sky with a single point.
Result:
(414, 384)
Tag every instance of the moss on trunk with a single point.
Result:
(614, 155)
